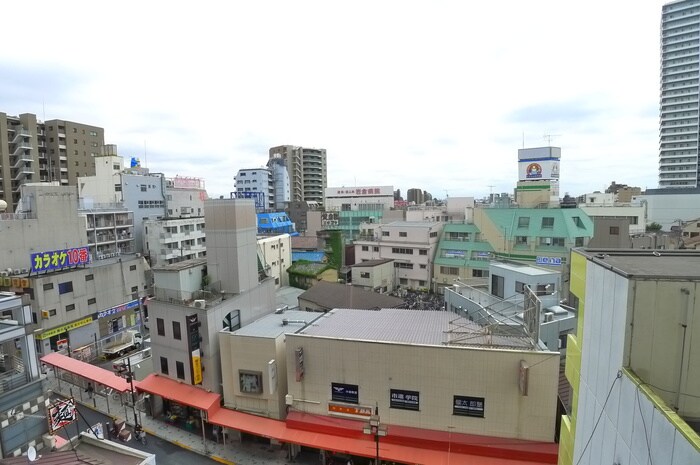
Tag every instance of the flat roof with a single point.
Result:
(392, 325)
(527, 269)
(411, 224)
(631, 263)
(183, 265)
(370, 263)
(272, 326)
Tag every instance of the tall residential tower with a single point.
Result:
(308, 171)
(680, 56)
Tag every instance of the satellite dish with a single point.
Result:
(31, 453)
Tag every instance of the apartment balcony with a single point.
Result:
(61, 135)
(20, 135)
(22, 159)
(104, 225)
(12, 373)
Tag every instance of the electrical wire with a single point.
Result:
(602, 410)
(644, 423)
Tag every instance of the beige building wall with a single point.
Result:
(373, 277)
(277, 254)
(437, 373)
(254, 354)
(490, 232)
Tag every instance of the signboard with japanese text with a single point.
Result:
(468, 406)
(61, 414)
(405, 400)
(65, 328)
(359, 191)
(553, 261)
(196, 367)
(349, 410)
(58, 259)
(119, 308)
(345, 393)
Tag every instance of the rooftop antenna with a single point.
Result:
(549, 137)
(523, 139)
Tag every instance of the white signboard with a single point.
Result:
(360, 191)
(531, 170)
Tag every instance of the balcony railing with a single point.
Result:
(12, 373)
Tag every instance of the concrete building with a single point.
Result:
(325, 296)
(409, 350)
(281, 184)
(306, 216)
(308, 171)
(172, 240)
(669, 206)
(185, 196)
(21, 391)
(275, 254)
(597, 205)
(538, 177)
(359, 198)
(258, 181)
(374, 275)
(678, 147)
(632, 361)
(77, 300)
(462, 254)
(185, 326)
(415, 196)
(35, 151)
(411, 245)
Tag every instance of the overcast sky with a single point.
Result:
(435, 95)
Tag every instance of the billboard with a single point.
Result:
(58, 259)
(535, 170)
(61, 413)
(359, 191)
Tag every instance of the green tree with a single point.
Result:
(654, 227)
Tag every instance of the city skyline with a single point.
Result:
(432, 97)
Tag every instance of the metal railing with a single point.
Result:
(14, 374)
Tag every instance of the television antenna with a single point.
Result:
(549, 137)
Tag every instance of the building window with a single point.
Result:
(404, 266)
(365, 248)
(65, 288)
(480, 273)
(132, 268)
(92, 301)
(523, 221)
(403, 234)
(422, 252)
(164, 365)
(614, 230)
(89, 277)
(52, 312)
(70, 307)
(433, 234)
(364, 275)
(134, 289)
(520, 240)
(176, 330)
(375, 249)
(161, 326)
(497, 285)
(143, 188)
(180, 367)
(423, 267)
(519, 287)
(401, 250)
(579, 242)
(48, 286)
(449, 270)
(548, 222)
(403, 281)
(385, 233)
(577, 221)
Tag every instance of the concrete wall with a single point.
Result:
(277, 253)
(437, 373)
(380, 276)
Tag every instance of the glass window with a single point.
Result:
(160, 324)
(365, 248)
(614, 230)
(65, 288)
(403, 234)
(164, 365)
(70, 307)
(364, 274)
(92, 301)
(180, 367)
(176, 330)
(89, 277)
(548, 222)
(523, 221)
(497, 285)
(579, 242)
(422, 252)
(385, 233)
(48, 286)
(132, 268)
(520, 240)
(577, 221)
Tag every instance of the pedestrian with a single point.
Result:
(215, 433)
(90, 390)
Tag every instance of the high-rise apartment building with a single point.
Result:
(308, 171)
(680, 88)
(34, 151)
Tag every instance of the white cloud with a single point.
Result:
(436, 95)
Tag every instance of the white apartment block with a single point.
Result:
(410, 244)
(184, 197)
(174, 240)
(257, 180)
(275, 254)
(598, 205)
(359, 198)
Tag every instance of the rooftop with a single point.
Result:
(412, 224)
(436, 328)
(370, 263)
(643, 263)
(183, 265)
(525, 269)
(273, 325)
(334, 295)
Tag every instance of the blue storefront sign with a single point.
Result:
(59, 259)
(553, 261)
(345, 393)
(118, 309)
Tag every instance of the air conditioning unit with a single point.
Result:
(199, 303)
(44, 314)
(138, 255)
(548, 317)
(4, 273)
(16, 271)
(25, 270)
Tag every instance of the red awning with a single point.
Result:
(181, 393)
(91, 372)
(361, 445)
